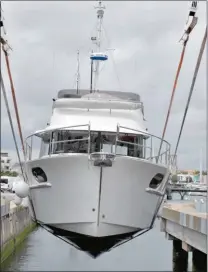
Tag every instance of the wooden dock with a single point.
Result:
(187, 228)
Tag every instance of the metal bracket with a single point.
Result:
(102, 159)
(154, 192)
(187, 32)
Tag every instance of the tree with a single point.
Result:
(9, 173)
(174, 178)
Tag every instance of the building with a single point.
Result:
(5, 161)
(191, 176)
(17, 167)
(204, 179)
(185, 178)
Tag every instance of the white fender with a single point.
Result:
(22, 189)
(17, 200)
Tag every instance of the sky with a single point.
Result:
(46, 35)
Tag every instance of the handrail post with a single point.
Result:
(50, 144)
(166, 153)
(117, 133)
(89, 139)
(169, 154)
(144, 147)
(151, 148)
(26, 149)
(31, 148)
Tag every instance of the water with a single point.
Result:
(41, 251)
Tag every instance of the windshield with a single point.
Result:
(66, 141)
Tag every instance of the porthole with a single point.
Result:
(39, 174)
(156, 181)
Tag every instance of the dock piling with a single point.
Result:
(199, 261)
(180, 257)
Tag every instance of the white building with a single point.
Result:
(185, 178)
(17, 168)
(5, 162)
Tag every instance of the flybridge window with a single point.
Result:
(71, 141)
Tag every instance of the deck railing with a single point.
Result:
(147, 149)
(52, 142)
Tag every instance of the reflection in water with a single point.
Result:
(41, 251)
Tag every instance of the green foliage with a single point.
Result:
(195, 172)
(9, 173)
(174, 178)
(183, 172)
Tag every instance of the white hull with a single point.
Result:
(89, 200)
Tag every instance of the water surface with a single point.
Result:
(42, 251)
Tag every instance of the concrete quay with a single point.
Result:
(16, 224)
(187, 228)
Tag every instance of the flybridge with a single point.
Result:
(97, 103)
(72, 93)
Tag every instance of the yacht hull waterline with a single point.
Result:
(96, 204)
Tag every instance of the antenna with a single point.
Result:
(78, 74)
(91, 75)
(98, 56)
(100, 12)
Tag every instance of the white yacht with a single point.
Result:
(97, 181)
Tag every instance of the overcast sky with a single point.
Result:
(46, 35)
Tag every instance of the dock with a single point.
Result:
(183, 191)
(16, 224)
(187, 228)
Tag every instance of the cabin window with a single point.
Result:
(66, 141)
(104, 141)
(73, 141)
(130, 145)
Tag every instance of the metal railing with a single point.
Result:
(163, 158)
(29, 147)
(146, 148)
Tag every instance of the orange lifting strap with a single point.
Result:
(4, 43)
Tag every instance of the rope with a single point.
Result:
(15, 141)
(14, 100)
(172, 96)
(185, 39)
(192, 86)
(11, 123)
(24, 175)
